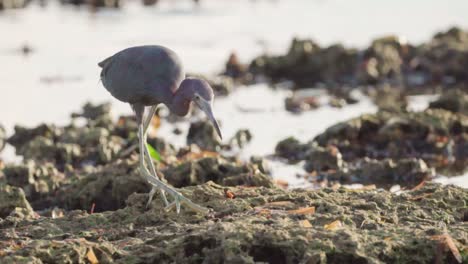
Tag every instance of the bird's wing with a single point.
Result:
(142, 74)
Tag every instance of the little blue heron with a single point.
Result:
(148, 76)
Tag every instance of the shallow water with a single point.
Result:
(61, 72)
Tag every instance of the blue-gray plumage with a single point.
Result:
(145, 74)
(148, 76)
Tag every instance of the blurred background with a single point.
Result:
(280, 68)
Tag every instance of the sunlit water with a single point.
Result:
(61, 72)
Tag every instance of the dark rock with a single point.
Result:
(23, 135)
(389, 98)
(241, 138)
(452, 100)
(431, 135)
(368, 226)
(385, 173)
(445, 57)
(307, 64)
(11, 198)
(324, 159)
(291, 149)
(203, 134)
(234, 68)
(261, 164)
(106, 188)
(93, 112)
(298, 104)
(382, 60)
(217, 170)
(39, 181)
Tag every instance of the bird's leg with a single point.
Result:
(150, 160)
(178, 197)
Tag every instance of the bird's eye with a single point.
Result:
(197, 97)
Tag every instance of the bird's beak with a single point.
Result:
(205, 106)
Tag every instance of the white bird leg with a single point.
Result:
(146, 123)
(179, 199)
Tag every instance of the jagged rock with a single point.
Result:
(93, 112)
(382, 60)
(203, 134)
(298, 104)
(258, 225)
(306, 63)
(324, 159)
(234, 68)
(261, 164)
(452, 100)
(445, 57)
(39, 181)
(217, 170)
(241, 138)
(11, 198)
(291, 149)
(385, 173)
(431, 135)
(389, 98)
(23, 135)
(107, 188)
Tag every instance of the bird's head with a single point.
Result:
(202, 95)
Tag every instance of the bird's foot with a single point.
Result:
(151, 194)
(178, 198)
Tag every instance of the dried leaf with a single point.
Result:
(420, 197)
(446, 243)
(91, 211)
(92, 257)
(155, 122)
(281, 183)
(305, 223)
(419, 186)
(333, 225)
(199, 155)
(279, 204)
(303, 211)
(229, 194)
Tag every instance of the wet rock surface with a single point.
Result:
(386, 148)
(78, 196)
(13, 200)
(40, 182)
(452, 100)
(219, 171)
(391, 60)
(382, 173)
(434, 135)
(203, 134)
(258, 225)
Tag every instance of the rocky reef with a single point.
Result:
(78, 197)
(256, 225)
(387, 148)
(391, 60)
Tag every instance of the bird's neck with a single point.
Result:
(180, 104)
